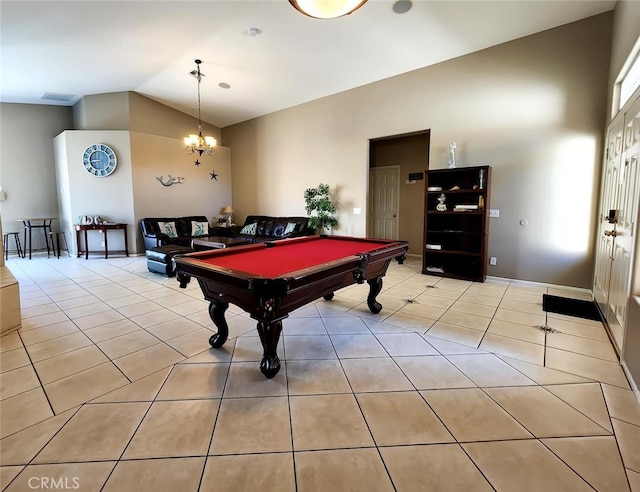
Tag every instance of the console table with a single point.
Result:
(102, 228)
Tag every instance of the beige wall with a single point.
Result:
(27, 164)
(533, 109)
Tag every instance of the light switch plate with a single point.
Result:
(494, 212)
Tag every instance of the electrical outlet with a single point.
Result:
(102, 244)
(493, 260)
(494, 212)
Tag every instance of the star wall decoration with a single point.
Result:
(197, 163)
(214, 175)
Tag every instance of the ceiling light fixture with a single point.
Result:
(327, 9)
(197, 143)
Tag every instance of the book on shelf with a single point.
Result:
(433, 246)
(435, 269)
(434, 188)
(464, 208)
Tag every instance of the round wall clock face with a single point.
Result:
(99, 160)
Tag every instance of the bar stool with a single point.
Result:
(5, 243)
(56, 244)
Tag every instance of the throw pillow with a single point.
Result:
(249, 229)
(168, 228)
(199, 228)
(291, 227)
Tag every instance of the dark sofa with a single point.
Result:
(268, 228)
(155, 230)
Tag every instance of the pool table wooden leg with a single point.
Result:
(375, 286)
(269, 335)
(216, 311)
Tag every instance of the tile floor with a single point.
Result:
(110, 385)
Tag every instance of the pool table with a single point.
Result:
(269, 280)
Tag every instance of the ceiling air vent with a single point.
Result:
(52, 96)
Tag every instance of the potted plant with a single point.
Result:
(319, 208)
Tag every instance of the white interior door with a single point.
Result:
(608, 202)
(384, 201)
(623, 234)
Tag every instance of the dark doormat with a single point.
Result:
(570, 307)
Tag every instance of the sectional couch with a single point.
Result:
(161, 231)
(263, 228)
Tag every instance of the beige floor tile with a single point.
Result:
(30, 312)
(587, 398)
(593, 322)
(304, 326)
(634, 480)
(527, 319)
(264, 472)
(479, 299)
(434, 468)
(443, 293)
(308, 347)
(410, 321)
(173, 328)
(18, 381)
(401, 418)
(577, 327)
(487, 290)
(352, 346)
(193, 381)
(145, 389)
(572, 294)
(248, 349)
(454, 284)
(308, 311)
(527, 288)
(466, 320)
(127, 344)
(154, 318)
(515, 330)
(382, 327)
(87, 309)
(470, 415)
(628, 437)
(344, 325)
(511, 347)
(622, 404)
(544, 414)
(147, 361)
(596, 459)
(57, 346)
(192, 343)
(161, 475)
(584, 346)
(72, 476)
(252, 425)
(315, 426)
(523, 297)
(331, 471)
(510, 465)
(98, 319)
(48, 332)
(10, 342)
(523, 306)
(174, 428)
(455, 333)
(190, 307)
(245, 379)
(43, 320)
(95, 432)
(544, 375)
(7, 474)
(139, 308)
(585, 366)
(487, 370)
(375, 374)
(316, 377)
(423, 310)
(64, 365)
(21, 447)
(13, 418)
(433, 372)
(447, 347)
(473, 308)
(125, 301)
(404, 344)
(222, 354)
(84, 386)
(111, 330)
(438, 302)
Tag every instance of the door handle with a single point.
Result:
(611, 233)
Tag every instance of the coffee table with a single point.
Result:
(216, 242)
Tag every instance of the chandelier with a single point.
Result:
(197, 143)
(326, 9)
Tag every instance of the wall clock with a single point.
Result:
(99, 160)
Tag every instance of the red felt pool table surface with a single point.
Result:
(290, 256)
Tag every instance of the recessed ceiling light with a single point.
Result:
(224, 85)
(402, 6)
(253, 32)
